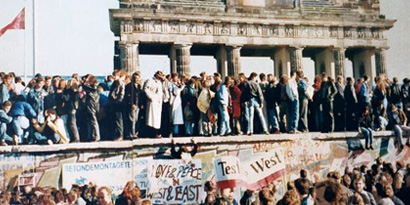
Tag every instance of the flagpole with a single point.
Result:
(34, 37)
(25, 46)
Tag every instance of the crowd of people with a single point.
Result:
(383, 184)
(49, 110)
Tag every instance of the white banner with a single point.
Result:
(264, 168)
(261, 169)
(228, 171)
(174, 182)
(113, 174)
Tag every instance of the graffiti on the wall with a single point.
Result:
(318, 157)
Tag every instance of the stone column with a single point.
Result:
(340, 58)
(129, 57)
(282, 61)
(234, 60)
(222, 64)
(183, 58)
(173, 60)
(296, 58)
(380, 61)
(180, 59)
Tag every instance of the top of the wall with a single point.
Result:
(139, 143)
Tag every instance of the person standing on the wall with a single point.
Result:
(254, 102)
(378, 107)
(154, 93)
(92, 99)
(351, 104)
(364, 95)
(166, 107)
(36, 99)
(116, 105)
(339, 104)
(236, 106)
(293, 103)
(6, 89)
(177, 115)
(71, 101)
(132, 94)
(395, 94)
(315, 117)
(328, 92)
(272, 100)
(222, 97)
(263, 83)
(303, 100)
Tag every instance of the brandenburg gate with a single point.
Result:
(327, 31)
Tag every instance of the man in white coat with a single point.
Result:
(154, 93)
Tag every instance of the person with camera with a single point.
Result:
(52, 131)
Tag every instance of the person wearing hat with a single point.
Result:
(154, 92)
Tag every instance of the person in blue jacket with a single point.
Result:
(5, 139)
(21, 112)
(222, 96)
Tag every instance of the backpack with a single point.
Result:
(310, 91)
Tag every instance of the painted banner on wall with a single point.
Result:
(257, 172)
(175, 182)
(228, 172)
(98, 173)
(264, 167)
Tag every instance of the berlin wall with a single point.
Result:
(143, 160)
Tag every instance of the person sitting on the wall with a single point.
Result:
(365, 125)
(184, 152)
(52, 131)
(5, 139)
(398, 121)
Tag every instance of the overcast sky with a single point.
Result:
(75, 36)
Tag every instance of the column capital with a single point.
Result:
(234, 46)
(342, 49)
(127, 43)
(297, 47)
(182, 45)
(381, 49)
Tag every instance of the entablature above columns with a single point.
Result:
(251, 29)
(272, 32)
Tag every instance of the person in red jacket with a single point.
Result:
(235, 106)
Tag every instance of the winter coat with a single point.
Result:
(204, 100)
(153, 91)
(92, 98)
(236, 101)
(177, 117)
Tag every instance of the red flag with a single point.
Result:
(17, 23)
